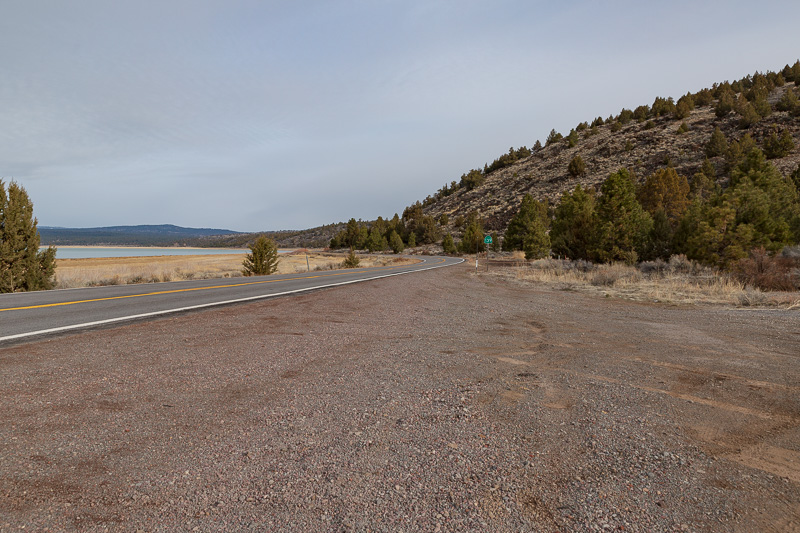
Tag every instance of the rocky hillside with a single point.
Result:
(641, 146)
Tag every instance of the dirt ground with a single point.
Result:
(442, 401)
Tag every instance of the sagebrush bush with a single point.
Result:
(766, 272)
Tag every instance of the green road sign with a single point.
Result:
(487, 239)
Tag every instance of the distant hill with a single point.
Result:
(144, 235)
(642, 146)
(170, 235)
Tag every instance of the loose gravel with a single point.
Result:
(442, 401)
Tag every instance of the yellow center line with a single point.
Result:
(195, 289)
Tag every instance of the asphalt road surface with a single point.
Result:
(25, 315)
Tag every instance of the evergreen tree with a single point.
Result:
(796, 178)
(703, 183)
(576, 167)
(351, 261)
(449, 245)
(262, 259)
(524, 222)
(572, 138)
(775, 146)
(472, 240)
(376, 242)
(573, 226)
(396, 242)
(659, 243)
(622, 225)
(725, 104)
(22, 266)
(789, 103)
(717, 145)
(665, 191)
(553, 137)
(412, 240)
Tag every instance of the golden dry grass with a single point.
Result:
(91, 272)
(669, 286)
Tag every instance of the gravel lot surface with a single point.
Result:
(442, 401)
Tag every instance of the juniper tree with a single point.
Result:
(666, 191)
(262, 259)
(527, 230)
(775, 146)
(22, 266)
(622, 225)
(472, 240)
(396, 242)
(449, 245)
(572, 229)
(717, 144)
(553, 137)
(576, 167)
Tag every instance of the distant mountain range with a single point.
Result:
(143, 235)
(170, 235)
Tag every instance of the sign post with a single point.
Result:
(487, 240)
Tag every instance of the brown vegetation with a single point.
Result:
(128, 270)
(678, 281)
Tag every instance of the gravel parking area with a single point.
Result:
(441, 401)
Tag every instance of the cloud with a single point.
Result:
(262, 115)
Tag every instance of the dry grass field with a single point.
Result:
(677, 282)
(91, 272)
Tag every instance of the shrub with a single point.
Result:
(766, 272)
(444, 219)
(351, 261)
(628, 145)
(775, 146)
(683, 128)
(582, 126)
(262, 259)
(649, 125)
(576, 167)
(616, 126)
(625, 116)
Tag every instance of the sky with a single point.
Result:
(259, 115)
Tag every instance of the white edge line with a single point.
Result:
(213, 304)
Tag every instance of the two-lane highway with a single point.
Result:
(30, 314)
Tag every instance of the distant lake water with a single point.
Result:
(84, 252)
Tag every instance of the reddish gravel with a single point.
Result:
(441, 401)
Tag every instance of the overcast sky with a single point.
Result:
(265, 115)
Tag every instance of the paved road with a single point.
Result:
(24, 315)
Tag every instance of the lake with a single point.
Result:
(84, 252)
